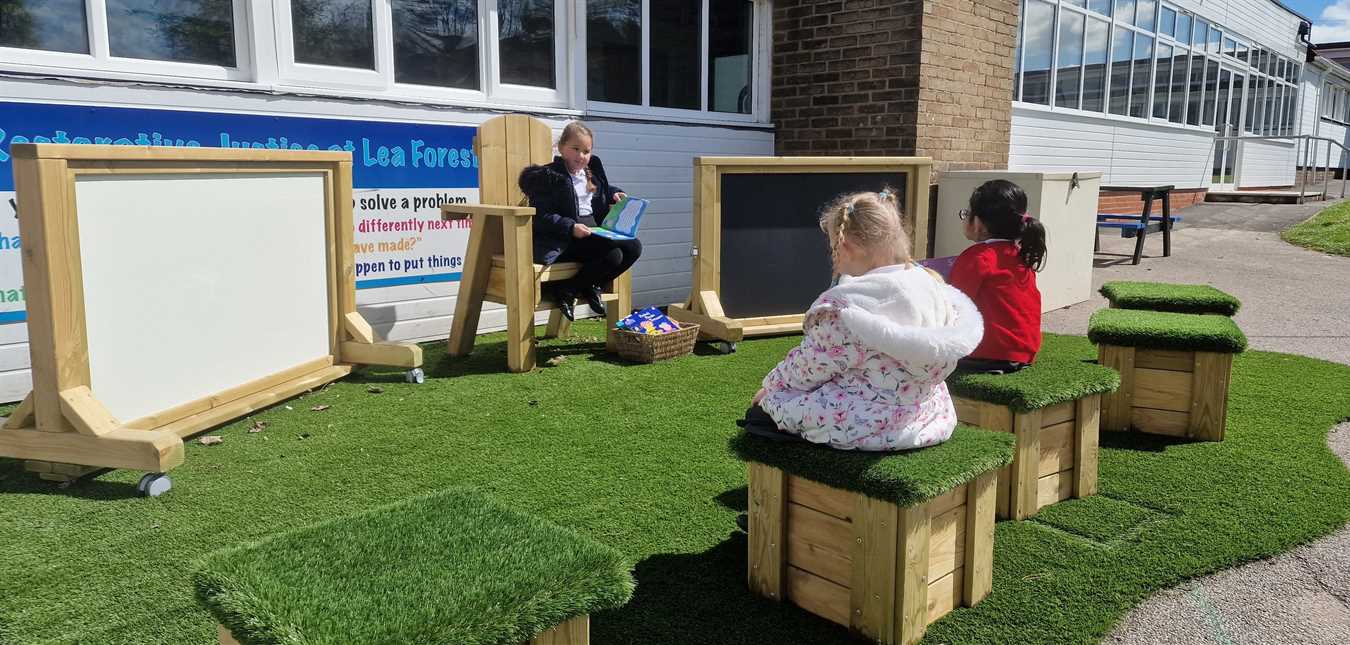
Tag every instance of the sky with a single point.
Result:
(1331, 18)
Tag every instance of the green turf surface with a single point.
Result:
(1060, 374)
(1327, 231)
(637, 457)
(454, 568)
(1166, 330)
(904, 478)
(1162, 296)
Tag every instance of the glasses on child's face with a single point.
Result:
(963, 214)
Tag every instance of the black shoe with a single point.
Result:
(563, 299)
(592, 296)
(743, 522)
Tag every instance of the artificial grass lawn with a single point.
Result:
(904, 478)
(1178, 298)
(1327, 231)
(637, 457)
(1060, 374)
(453, 567)
(1166, 330)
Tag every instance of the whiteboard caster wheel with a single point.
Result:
(725, 347)
(415, 375)
(154, 484)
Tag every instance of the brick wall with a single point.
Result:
(965, 83)
(1132, 204)
(903, 77)
(845, 76)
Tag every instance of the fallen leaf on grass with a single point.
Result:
(210, 440)
(555, 361)
(375, 389)
(534, 402)
(304, 435)
(319, 408)
(258, 426)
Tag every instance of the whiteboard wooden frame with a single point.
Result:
(62, 420)
(704, 306)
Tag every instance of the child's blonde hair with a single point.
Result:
(571, 131)
(870, 220)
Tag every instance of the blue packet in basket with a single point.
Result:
(648, 321)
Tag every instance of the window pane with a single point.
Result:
(1229, 47)
(1100, 6)
(1183, 28)
(1070, 59)
(1017, 57)
(1094, 68)
(333, 32)
(1122, 52)
(1077, 3)
(1144, 18)
(1235, 113)
(1242, 52)
(675, 30)
(525, 36)
(1163, 81)
(1167, 23)
(185, 31)
(436, 42)
(730, 73)
(1291, 102)
(614, 51)
(1221, 102)
(1195, 94)
(1177, 106)
(1125, 10)
(1214, 37)
(1039, 25)
(1201, 29)
(52, 25)
(1211, 91)
(1143, 61)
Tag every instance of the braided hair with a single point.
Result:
(870, 220)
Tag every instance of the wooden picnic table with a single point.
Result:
(1140, 226)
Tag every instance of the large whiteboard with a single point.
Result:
(197, 283)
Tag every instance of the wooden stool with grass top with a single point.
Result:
(1177, 298)
(453, 568)
(1051, 407)
(882, 543)
(1174, 370)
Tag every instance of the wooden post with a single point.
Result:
(472, 287)
(1115, 406)
(911, 578)
(573, 632)
(521, 294)
(872, 592)
(1209, 395)
(1024, 475)
(558, 325)
(768, 515)
(1087, 424)
(979, 561)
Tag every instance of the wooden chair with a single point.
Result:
(498, 266)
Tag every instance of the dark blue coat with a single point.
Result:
(549, 189)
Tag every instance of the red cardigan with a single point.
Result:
(1005, 292)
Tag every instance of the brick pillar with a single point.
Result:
(904, 77)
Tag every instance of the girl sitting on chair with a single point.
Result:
(570, 195)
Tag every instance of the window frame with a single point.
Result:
(100, 63)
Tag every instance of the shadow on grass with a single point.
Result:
(14, 480)
(1141, 441)
(702, 598)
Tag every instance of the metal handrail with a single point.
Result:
(1304, 141)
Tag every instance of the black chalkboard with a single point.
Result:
(775, 259)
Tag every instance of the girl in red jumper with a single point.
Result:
(998, 272)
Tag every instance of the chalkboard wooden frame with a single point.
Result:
(62, 419)
(705, 306)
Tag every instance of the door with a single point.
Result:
(1227, 123)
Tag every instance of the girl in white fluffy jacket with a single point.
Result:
(877, 347)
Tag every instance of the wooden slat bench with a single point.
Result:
(1174, 370)
(1052, 409)
(881, 543)
(450, 568)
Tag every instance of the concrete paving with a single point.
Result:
(1294, 301)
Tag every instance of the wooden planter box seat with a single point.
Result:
(1176, 298)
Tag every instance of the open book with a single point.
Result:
(622, 221)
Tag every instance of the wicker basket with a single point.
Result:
(649, 348)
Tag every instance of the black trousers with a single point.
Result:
(602, 260)
(988, 365)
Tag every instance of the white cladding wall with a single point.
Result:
(1126, 152)
(652, 160)
(1266, 163)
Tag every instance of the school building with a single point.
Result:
(1139, 89)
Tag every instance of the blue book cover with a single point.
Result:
(623, 219)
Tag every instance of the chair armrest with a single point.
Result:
(461, 211)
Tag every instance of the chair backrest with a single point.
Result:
(505, 145)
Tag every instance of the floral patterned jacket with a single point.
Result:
(869, 372)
